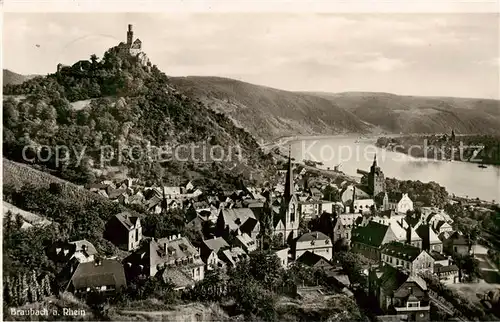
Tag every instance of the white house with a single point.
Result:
(363, 205)
(315, 242)
(404, 204)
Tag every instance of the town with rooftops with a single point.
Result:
(303, 244)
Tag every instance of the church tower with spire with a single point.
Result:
(289, 205)
(376, 179)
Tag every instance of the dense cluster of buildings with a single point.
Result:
(401, 241)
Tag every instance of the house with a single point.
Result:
(400, 294)
(124, 230)
(351, 193)
(232, 256)
(316, 193)
(210, 249)
(189, 186)
(246, 242)
(282, 255)
(314, 260)
(405, 233)
(369, 239)
(344, 224)
(106, 275)
(81, 250)
(407, 257)
(172, 192)
(457, 243)
(430, 240)
(443, 269)
(412, 299)
(405, 204)
(316, 243)
(137, 199)
(173, 257)
(309, 209)
(442, 226)
(382, 282)
(362, 206)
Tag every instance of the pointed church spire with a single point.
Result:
(375, 160)
(289, 190)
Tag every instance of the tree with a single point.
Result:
(265, 267)
(467, 265)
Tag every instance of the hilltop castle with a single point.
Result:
(133, 48)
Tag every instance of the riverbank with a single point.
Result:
(480, 149)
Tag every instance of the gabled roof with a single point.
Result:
(445, 269)
(108, 272)
(181, 278)
(427, 233)
(115, 193)
(315, 235)
(234, 255)
(236, 217)
(372, 234)
(437, 256)
(402, 251)
(246, 240)
(310, 259)
(215, 244)
(418, 280)
(127, 220)
(391, 278)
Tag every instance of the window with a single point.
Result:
(137, 235)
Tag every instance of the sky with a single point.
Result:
(402, 53)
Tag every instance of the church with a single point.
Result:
(374, 181)
(286, 223)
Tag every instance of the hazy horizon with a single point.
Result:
(438, 55)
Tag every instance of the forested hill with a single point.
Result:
(118, 102)
(270, 113)
(9, 77)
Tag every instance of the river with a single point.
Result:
(459, 178)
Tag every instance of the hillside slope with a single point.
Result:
(270, 113)
(414, 114)
(131, 113)
(9, 77)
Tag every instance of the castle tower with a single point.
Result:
(130, 35)
(376, 180)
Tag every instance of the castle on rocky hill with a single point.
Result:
(131, 50)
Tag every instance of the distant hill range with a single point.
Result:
(270, 113)
(10, 77)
